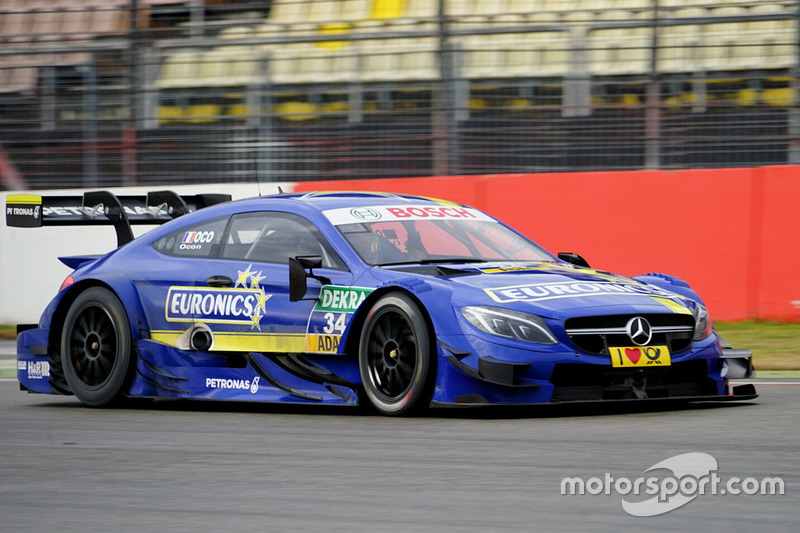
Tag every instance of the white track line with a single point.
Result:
(763, 383)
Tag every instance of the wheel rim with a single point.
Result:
(392, 355)
(93, 346)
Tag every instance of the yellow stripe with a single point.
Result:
(243, 342)
(442, 202)
(24, 199)
(674, 306)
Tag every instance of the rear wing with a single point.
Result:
(104, 208)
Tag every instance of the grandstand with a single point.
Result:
(108, 92)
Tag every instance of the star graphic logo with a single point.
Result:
(243, 277)
(250, 280)
(256, 322)
(255, 279)
(262, 301)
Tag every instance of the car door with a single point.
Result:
(169, 279)
(244, 293)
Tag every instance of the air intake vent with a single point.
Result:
(595, 334)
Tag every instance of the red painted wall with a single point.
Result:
(734, 234)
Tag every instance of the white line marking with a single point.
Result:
(762, 383)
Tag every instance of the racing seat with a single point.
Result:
(375, 249)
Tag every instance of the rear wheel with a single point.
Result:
(96, 348)
(396, 358)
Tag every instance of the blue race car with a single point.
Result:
(398, 302)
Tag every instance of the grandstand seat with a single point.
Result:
(74, 25)
(484, 56)
(230, 66)
(412, 59)
(770, 44)
(595, 8)
(420, 10)
(46, 26)
(236, 32)
(633, 5)
(536, 54)
(319, 12)
(285, 12)
(291, 63)
(169, 114)
(301, 63)
(282, 15)
(15, 25)
(398, 15)
(480, 13)
(578, 22)
(681, 46)
(17, 79)
(619, 51)
(781, 97)
(680, 4)
(200, 113)
(354, 10)
(211, 70)
(457, 9)
(180, 70)
(107, 20)
(295, 111)
(523, 8)
(722, 38)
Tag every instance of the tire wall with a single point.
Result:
(733, 234)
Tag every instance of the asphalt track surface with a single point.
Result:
(184, 466)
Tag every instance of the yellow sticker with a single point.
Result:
(322, 343)
(24, 199)
(648, 356)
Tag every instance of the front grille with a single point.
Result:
(594, 334)
(574, 382)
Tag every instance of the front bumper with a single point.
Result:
(507, 375)
(742, 392)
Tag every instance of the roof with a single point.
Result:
(323, 200)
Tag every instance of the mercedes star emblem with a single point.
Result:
(639, 330)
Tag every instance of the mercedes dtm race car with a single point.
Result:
(398, 302)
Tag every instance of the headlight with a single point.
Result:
(702, 323)
(509, 324)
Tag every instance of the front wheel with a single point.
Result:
(96, 348)
(396, 358)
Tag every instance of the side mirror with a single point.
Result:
(298, 277)
(575, 259)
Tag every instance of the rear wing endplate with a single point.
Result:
(104, 208)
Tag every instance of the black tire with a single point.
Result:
(396, 356)
(96, 348)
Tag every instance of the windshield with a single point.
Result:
(430, 241)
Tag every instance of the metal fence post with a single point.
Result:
(441, 102)
(90, 119)
(652, 155)
(793, 144)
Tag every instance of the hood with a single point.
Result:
(552, 290)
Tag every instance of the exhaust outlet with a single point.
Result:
(199, 337)
(201, 340)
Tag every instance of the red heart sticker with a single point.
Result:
(634, 354)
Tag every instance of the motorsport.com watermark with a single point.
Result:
(693, 474)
